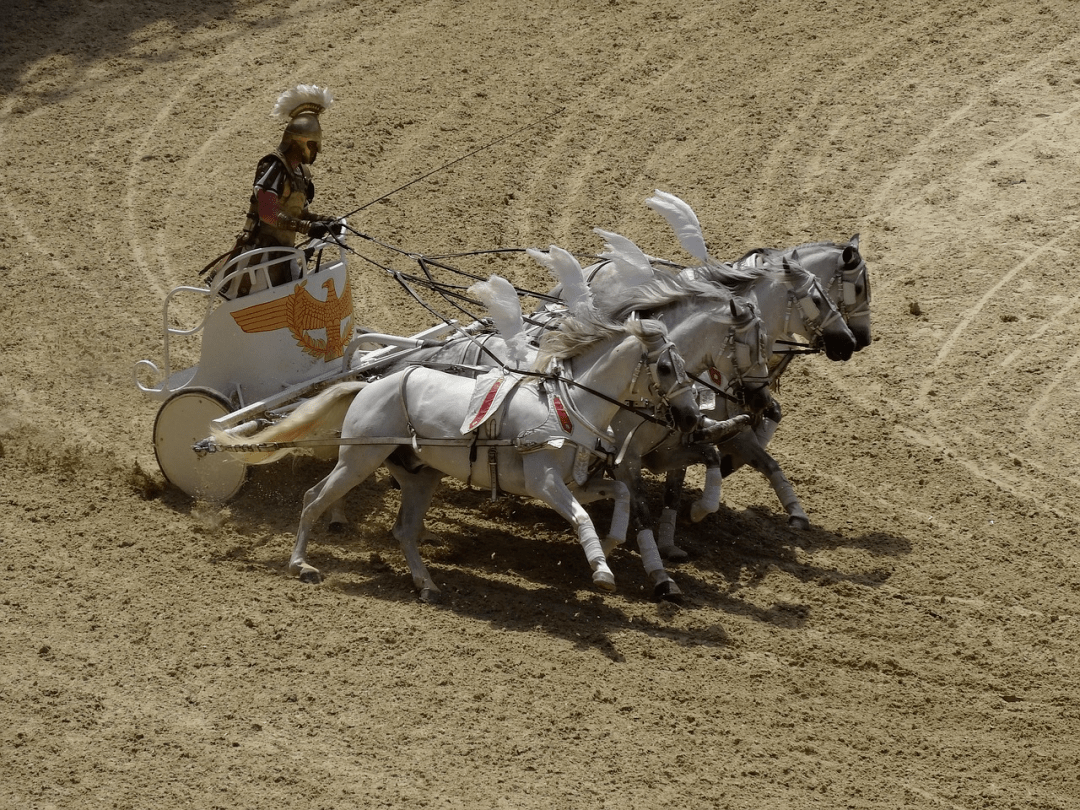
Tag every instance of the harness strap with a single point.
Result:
(493, 461)
(405, 405)
(209, 446)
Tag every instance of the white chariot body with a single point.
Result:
(262, 354)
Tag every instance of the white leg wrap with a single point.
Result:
(650, 555)
(666, 541)
(594, 552)
(709, 501)
(666, 528)
(620, 520)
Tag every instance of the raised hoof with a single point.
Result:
(609, 544)
(310, 575)
(699, 513)
(673, 553)
(667, 591)
(604, 580)
(338, 528)
(799, 524)
(719, 432)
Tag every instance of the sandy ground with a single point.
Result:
(917, 648)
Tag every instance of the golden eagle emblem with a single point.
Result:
(302, 313)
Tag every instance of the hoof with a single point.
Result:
(673, 553)
(698, 513)
(338, 527)
(667, 591)
(799, 524)
(310, 575)
(604, 580)
(720, 432)
(430, 596)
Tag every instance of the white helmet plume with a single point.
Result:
(633, 265)
(501, 300)
(300, 99)
(683, 221)
(567, 270)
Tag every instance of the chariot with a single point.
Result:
(261, 355)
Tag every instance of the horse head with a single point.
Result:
(820, 318)
(749, 356)
(851, 283)
(668, 380)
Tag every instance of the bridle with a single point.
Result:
(846, 281)
(801, 294)
(651, 358)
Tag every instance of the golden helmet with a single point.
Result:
(299, 109)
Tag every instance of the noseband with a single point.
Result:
(816, 319)
(846, 280)
(650, 361)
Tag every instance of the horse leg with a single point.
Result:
(597, 489)
(354, 465)
(542, 482)
(665, 541)
(338, 520)
(752, 453)
(629, 475)
(709, 502)
(797, 517)
(417, 490)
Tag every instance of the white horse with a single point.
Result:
(541, 441)
(789, 302)
(843, 274)
(713, 331)
(776, 301)
(844, 279)
(722, 339)
(841, 295)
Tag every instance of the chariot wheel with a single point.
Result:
(183, 420)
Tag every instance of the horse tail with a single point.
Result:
(321, 417)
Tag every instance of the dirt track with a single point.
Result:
(917, 648)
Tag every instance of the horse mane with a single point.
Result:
(736, 276)
(771, 255)
(664, 292)
(576, 334)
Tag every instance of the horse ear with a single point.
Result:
(854, 241)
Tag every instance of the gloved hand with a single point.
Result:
(318, 230)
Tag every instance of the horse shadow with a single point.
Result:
(515, 563)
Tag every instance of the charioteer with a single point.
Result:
(283, 189)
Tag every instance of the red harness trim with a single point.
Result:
(564, 418)
(485, 406)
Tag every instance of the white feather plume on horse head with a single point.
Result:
(567, 270)
(683, 221)
(300, 99)
(631, 262)
(501, 300)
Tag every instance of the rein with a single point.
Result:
(444, 166)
